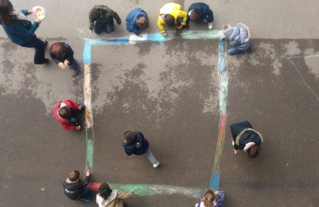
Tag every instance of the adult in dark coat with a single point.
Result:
(21, 31)
(246, 138)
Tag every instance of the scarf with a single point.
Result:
(20, 15)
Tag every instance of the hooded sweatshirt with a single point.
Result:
(114, 200)
(64, 122)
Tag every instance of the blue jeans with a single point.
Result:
(39, 46)
(85, 194)
(73, 120)
(234, 51)
(74, 65)
(150, 156)
(99, 27)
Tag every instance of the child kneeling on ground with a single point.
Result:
(75, 188)
(111, 198)
(64, 113)
(137, 20)
(62, 54)
(135, 143)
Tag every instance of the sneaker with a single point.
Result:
(210, 25)
(86, 199)
(156, 164)
(75, 72)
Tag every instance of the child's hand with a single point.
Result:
(91, 32)
(119, 24)
(147, 29)
(61, 65)
(66, 63)
(88, 172)
(78, 128)
(80, 107)
(235, 151)
(185, 30)
(133, 192)
(180, 27)
(30, 12)
(222, 37)
(39, 20)
(164, 34)
(140, 35)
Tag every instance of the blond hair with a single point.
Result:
(141, 22)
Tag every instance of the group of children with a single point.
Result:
(21, 32)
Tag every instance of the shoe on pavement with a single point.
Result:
(75, 72)
(86, 199)
(210, 25)
(156, 164)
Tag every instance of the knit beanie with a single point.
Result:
(229, 31)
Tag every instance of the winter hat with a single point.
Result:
(229, 31)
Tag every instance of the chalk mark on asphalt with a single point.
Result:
(303, 80)
(149, 190)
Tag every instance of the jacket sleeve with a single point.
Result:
(134, 28)
(124, 196)
(86, 181)
(127, 151)
(210, 14)
(68, 126)
(25, 12)
(71, 104)
(53, 57)
(24, 32)
(115, 16)
(184, 15)
(91, 22)
(160, 23)
(69, 53)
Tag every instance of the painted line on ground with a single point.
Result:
(223, 91)
(303, 80)
(149, 190)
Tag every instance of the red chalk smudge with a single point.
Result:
(94, 186)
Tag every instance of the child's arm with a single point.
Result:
(125, 196)
(248, 31)
(210, 14)
(69, 53)
(184, 15)
(115, 16)
(160, 23)
(68, 126)
(53, 57)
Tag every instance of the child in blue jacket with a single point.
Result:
(201, 11)
(137, 20)
(135, 143)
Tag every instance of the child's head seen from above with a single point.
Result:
(129, 137)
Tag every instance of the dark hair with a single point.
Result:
(95, 14)
(59, 50)
(195, 14)
(65, 113)
(253, 151)
(141, 22)
(208, 198)
(5, 10)
(129, 137)
(74, 175)
(169, 20)
(105, 190)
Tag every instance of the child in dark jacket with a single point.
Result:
(64, 112)
(62, 54)
(75, 188)
(135, 143)
(201, 11)
(137, 20)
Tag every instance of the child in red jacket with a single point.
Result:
(64, 112)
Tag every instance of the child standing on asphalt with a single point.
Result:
(64, 112)
(75, 188)
(137, 20)
(171, 14)
(62, 54)
(212, 199)
(246, 138)
(135, 143)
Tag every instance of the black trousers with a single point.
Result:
(39, 46)
(99, 27)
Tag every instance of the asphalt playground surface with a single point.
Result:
(169, 91)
